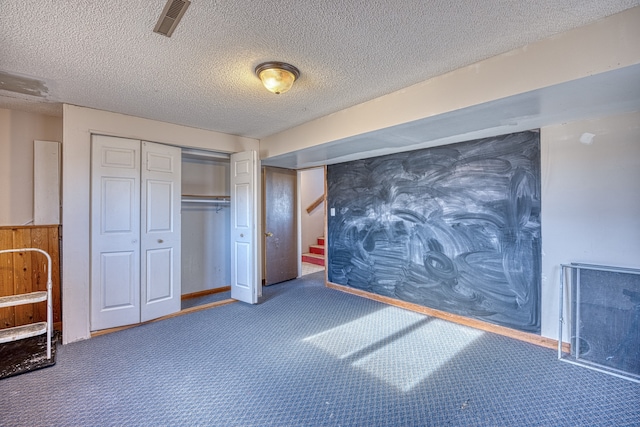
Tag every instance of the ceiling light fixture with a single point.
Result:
(277, 77)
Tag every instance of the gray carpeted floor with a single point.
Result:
(312, 356)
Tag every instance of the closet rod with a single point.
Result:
(215, 202)
(220, 200)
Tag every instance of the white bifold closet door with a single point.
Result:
(245, 280)
(160, 230)
(135, 231)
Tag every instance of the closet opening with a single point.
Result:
(206, 229)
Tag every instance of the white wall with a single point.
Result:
(590, 200)
(79, 124)
(18, 130)
(311, 184)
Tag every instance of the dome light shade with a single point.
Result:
(277, 77)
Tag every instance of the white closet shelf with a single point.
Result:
(192, 153)
(220, 200)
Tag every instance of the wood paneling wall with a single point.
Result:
(23, 272)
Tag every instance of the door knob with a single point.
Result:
(160, 241)
(268, 234)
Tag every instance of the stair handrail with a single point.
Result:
(49, 286)
(315, 204)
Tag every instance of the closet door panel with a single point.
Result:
(161, 230)
(119, 279)
(115, 232)
(159, 206)
(159, 267)
(118, 206)
(245, 284)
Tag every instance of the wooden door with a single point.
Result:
(280, 225)
(160, 230)
(115, 232)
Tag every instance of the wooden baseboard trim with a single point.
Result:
(169, 316)
(205, 292)
(455, 318)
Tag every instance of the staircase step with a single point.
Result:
(30, 298)
(24, 331)
(321, 240)
(317, 249)
(313, 258)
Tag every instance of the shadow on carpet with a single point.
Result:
(26, 355)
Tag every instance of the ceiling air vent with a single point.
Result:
(170, 17)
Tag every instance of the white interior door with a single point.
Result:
(244, 222)
(160, 226)
(115, 232)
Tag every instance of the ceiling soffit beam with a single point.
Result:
(585, 51)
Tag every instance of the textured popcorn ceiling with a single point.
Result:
(103, 54)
